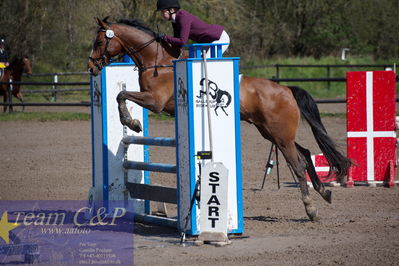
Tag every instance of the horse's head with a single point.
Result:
(21, 64)
(133, 38)
(27, 64)
(104, 47)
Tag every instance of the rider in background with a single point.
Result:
(3, 56)
(3, 53)
(187, 26)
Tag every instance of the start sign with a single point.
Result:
(213, 206)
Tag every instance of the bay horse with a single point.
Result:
(275, 110)
(17, 67)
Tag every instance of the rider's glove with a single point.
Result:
(159, 36)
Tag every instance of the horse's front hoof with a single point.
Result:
(135, 125)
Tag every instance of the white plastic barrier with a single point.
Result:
(193, 137)
(109, 177)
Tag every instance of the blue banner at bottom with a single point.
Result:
(66, 233)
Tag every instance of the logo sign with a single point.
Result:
(214, 187)
(218, 98)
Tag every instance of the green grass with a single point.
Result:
(162, 116)
(44, 116)
(63, 97)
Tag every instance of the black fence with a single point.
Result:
(55, 86)
(278, 67)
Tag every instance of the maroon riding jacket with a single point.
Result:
(188, 26)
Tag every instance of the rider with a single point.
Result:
(3, 53)
(3, 56)
(187, 26)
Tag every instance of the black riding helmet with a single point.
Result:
(166, 4)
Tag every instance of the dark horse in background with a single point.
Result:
(17, 67)
(274, 109)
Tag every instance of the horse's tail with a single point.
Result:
(337, 161)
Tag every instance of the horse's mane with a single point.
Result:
(137, 24)
(18, 58)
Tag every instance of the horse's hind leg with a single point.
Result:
(298, 165)
(317, 185)
(5, 100)
(295, 160)
(9, 100)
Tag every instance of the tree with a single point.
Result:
(59, 34)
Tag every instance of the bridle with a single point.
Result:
(98, 62)
(131, 51)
